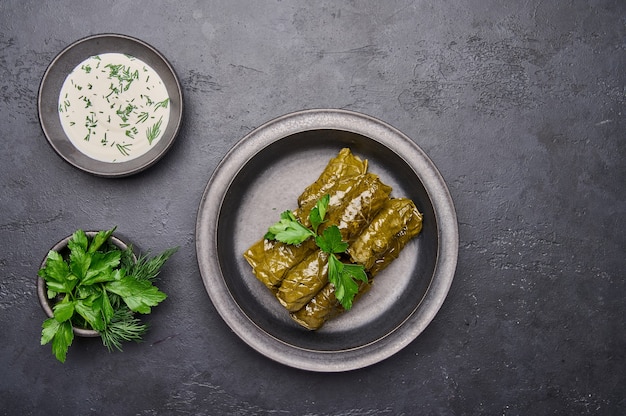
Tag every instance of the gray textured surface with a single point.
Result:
(521, 106)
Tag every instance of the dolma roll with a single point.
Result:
(337, 193)
(378, 245)
(359, 206)
(322, 307)
(344, 165)
(375, 227)
(303, 281)
(381, 242)
(270, 260)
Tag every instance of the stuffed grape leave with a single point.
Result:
(304, 281)
(343, 166)
(375, 248)
(376, 227)
(322, 307)
(359, 206)
(381, 242)
(271, 260)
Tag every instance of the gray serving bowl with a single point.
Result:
(65, 62)
(263, 175)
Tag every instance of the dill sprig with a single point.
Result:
(162, 104)
(154, 131)
(143, 116)
(123, 327)
(124, 148)
(147, 268)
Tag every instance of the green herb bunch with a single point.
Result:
(100, 287)
(342, 275)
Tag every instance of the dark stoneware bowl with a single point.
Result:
(65, 62)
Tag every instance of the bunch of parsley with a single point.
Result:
(342, 275)
(100, 287)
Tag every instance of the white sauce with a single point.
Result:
(114, 107)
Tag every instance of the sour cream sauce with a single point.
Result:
(114, 107)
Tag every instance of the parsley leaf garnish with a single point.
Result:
(289, 230)
(61, 335)
(343, 276)
(139, 295)
(330, 241)
(318, 212)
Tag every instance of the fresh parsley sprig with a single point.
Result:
(318, 212)
(289, 230)
(98, 286)
(343, 276)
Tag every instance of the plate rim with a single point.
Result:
(206, 239)
(96, 167)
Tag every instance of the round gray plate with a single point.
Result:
(65, 62)
(262, 176)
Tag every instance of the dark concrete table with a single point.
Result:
(521, 106)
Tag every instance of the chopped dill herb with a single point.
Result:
(154, 131)
(124, 114)
(149, 102)
(143, 116)
(90, 121)
(132, 132)
(162, 104)
(124, 148)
